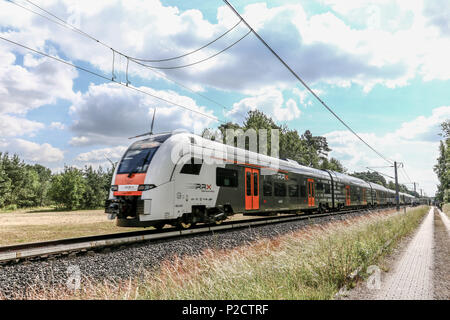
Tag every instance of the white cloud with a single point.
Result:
(57, 126)
(438, 15)
(425, 128)
(38, 82)
(99, 155)
(109, 114)
(271, 102)
(320, 47)
(11, 126)
(305, 97)
(30, 151)
(415, 143)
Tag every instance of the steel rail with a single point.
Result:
(46, 249)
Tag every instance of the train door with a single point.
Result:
(251, 189)
(311, 193)
(364, 196)
(347, 195)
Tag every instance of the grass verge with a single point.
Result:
(446, 209)
(311, 263)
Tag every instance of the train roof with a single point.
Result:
(344, 178)
(266, 161)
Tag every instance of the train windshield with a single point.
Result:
(138, 157)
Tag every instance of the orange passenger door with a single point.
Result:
(347, 196)
(251, 189)
(311, 193)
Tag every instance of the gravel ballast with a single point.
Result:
(130, 261)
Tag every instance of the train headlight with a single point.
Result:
(146, 187)
(114, 188)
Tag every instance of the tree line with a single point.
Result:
(442, 168)
(306, 149)
(23, 185)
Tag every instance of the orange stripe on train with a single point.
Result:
(123, 179)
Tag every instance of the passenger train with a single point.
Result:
(182, 179)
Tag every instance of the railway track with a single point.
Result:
(72, 246)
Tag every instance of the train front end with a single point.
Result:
(133, 182)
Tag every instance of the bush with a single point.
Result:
(67, 188)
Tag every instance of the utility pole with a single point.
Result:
(414, 187)
(421, 193)
(397, 202)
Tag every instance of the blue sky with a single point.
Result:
(381, 65)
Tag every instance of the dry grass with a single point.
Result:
(312, 263)
(446, 209)
(43, 224)
(40, 225)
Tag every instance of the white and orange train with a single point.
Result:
(182, 179)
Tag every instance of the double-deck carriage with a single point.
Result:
(182, 179)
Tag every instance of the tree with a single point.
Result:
(68, 188)
(445, 126)
(333, 165)
(28, 190)
(368, 176)
(306, 149)
(44, 176)
(5, 182)
(97, 186)
(442, 169)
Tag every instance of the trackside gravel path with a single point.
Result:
(412, 276)
(419, 268)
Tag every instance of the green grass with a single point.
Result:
(312, 263)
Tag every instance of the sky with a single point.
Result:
(381, 65)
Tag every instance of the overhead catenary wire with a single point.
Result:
(304, 83)
(383, 174)
(111, 80)
(407, 174)
(251, 30)
(189, 89)
(74, 28)
(194, 63)
(189, 53)
(64, 24)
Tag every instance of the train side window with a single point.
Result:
(327, 188)
(303, 191)
(267, 188)
(293, 190)
(319, 186)
(280, 189)
(248, 176)
(192, 167)
(255, 184)
(226, 178)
